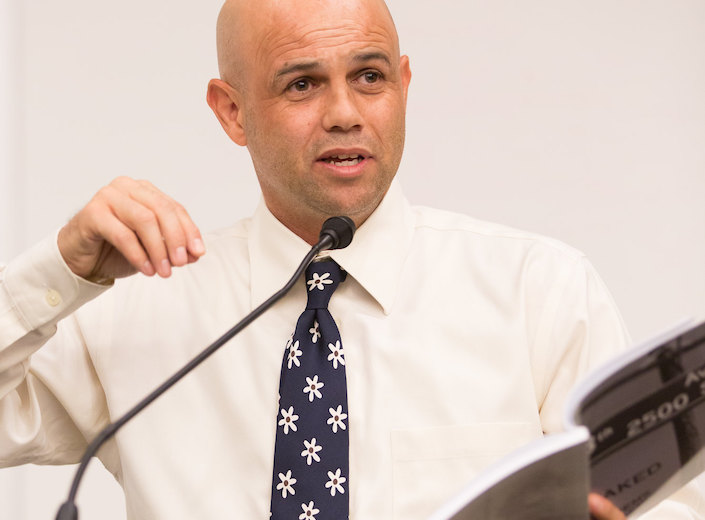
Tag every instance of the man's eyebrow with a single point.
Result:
(305, 66)
(371, 56)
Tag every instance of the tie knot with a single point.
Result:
(322, 278)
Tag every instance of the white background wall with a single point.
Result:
(581, 120)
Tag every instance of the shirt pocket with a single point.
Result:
(430, 465)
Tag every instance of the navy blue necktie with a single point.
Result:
(310, 480)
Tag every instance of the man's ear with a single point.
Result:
(224, 100)
(405, 71)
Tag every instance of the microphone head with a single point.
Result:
(340, 230)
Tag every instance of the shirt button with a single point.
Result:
(52, 297)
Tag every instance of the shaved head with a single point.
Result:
(231, 36)
(244, 25)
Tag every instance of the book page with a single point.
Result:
(544, 480)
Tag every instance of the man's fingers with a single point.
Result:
(163, 210)
(195, 247)
(126, 242)
(162, 226)
(145, 225)
(603, 509)
(181, 236)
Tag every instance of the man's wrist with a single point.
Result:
(42, 289)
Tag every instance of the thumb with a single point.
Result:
(603, 509)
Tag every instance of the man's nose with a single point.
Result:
(341, 112)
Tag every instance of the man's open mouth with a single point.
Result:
(344, 160)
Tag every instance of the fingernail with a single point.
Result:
(197, 246)
(148, 268)
(181, 257)
(165, 268)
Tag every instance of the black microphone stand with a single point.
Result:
(336, 233)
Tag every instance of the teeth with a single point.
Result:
(344, 160)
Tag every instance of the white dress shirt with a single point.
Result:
(461, 340)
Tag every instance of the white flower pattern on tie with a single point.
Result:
(336, 354)
(319, 281)
(336, 482)
(294, 354)
(315, 333)
(309, 511)
(311, 451)
(336, 418)
(287, 484)
(288, 420)
(313, 388)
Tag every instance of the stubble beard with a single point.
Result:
(302, 201)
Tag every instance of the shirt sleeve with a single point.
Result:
(37, 290)
(579, 328)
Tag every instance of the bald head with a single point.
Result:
(245, 27)
(231, 35)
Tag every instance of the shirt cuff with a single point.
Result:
(38, 288)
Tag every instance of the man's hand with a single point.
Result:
(129, 226)
(603, 509)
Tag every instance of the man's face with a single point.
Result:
(323, 111)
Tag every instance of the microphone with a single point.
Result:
(336, 233)
(340, 230)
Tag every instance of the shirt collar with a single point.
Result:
(374, 258)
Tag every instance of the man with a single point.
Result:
(461, 338)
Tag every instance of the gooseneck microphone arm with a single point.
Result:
(336, 233)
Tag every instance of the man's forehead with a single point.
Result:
(350, 42)
(284, 37)
(270, 33)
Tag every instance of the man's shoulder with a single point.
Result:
(462, 228)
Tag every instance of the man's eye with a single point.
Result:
(371, 77)
(300, 85)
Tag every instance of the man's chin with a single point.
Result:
(358, 210)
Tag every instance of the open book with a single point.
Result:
(634, 433)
